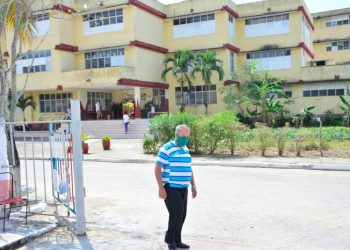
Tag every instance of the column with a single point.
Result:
(137, 98)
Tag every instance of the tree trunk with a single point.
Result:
(14, 162)
(206, 99)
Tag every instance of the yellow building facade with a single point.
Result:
(112, 51)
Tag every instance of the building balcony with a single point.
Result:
(324, 73)
(98, 77)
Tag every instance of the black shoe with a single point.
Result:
(172, 246)
(182, 245)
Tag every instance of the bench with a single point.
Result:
(7, 198)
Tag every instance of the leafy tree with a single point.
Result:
(206, 63)
(263, 92)
(299, 118)
(15, 17)
(25, 102)
(346, 107)
(178, 65)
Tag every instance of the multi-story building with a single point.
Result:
(114, 49)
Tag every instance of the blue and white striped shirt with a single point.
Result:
(176, 163)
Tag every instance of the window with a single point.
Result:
(41, 17)
(197, 95)
(232, 63)
(194, 26)
(324, 92)
(104, 58)
(231, 26)
(159, 98)
(32, 62)
(104, 18)
(51, 103)
(267, 25)
(105, 99)
(338, 45)
(306, 93)
(338, 20)
(272, 60)
(306, 31)
(288, 93)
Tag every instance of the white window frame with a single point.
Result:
(52, 103)
(270, 59)
(103, 21)
(104, 58)
(194, 26)
(267, 25)
(33, 62)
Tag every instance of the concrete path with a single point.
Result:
(236, 208)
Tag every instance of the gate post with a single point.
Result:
(78, 168)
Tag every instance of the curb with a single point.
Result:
(274, 165)
(32, 236)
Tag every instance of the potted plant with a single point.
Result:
(106, 142)
(84, 144)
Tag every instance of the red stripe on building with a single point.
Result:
(230, 11)
(307, 49)
(230, 82)
(147, 8)
(231, 47)
(66, 47)
(308, 19)
(63, 8)
(148, 46)
(142, 84)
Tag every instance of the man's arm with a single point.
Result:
(193, 188)
(158, 174)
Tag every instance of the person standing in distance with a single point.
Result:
(126, 121)
(98, 110)
(173, 173)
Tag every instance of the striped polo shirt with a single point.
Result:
(176, 163)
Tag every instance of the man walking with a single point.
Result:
(173, 173)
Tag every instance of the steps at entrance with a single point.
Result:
(115, 128)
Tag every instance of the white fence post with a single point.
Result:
(4, 167)
(78, 168)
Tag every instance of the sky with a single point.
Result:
(313, 5)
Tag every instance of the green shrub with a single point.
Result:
(162, 127)
(149, 145)
(263, 137)
(215, 129)
(280, 139)
(233, 135)
(196, 136)
(302, 135)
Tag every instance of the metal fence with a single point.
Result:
(49, 173)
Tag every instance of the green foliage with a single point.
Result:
(206, 63)
(346, 107)
(149, 145)
(280, 139)
(178, 66)
(215, 129)
(299, 118)
(85, 137)
(233, 135)
(263, 137)
(162, 127)
(331, 119)
(196, 135)
(260, 92)
(106, 138)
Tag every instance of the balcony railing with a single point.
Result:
(97, 76)
(326, 72)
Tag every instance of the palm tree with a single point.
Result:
(205, 63)
(178, 66)
(346, 108)
(25, 102)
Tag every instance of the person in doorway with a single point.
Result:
(153, 109)
(126, 121)
(98, 110)
(173, 173)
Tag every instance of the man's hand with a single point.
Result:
(194, 192)
(162, 193)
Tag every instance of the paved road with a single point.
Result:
(237, 208)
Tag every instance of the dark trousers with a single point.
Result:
(126, 126)
(176, 203)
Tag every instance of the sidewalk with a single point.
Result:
(130, 151)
